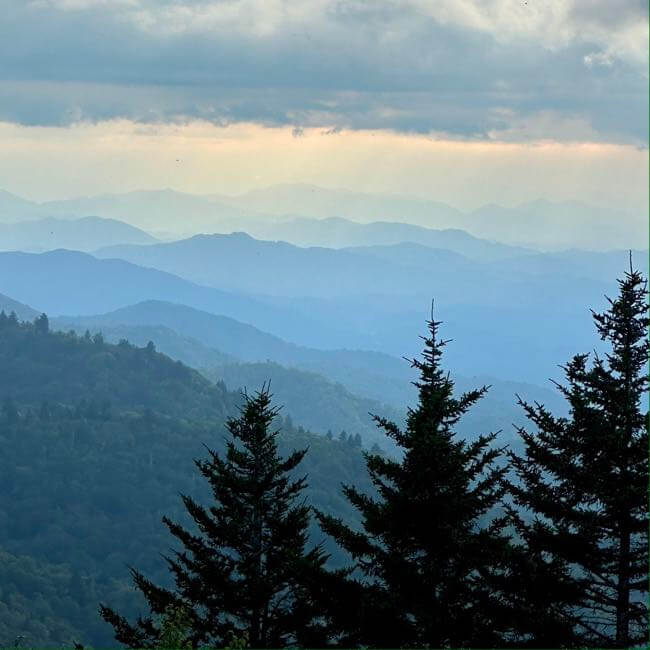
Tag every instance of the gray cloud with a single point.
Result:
(491, 68)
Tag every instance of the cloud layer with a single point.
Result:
(467, 69)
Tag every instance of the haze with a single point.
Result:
(200, 197)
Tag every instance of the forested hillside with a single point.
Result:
(304, 379)
(99, 441)
(374, 374)
(23, 312)
(324, 324)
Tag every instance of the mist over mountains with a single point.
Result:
(83, 234)
(324, 304)
(163, 307)
(538, 224)
(324, 324)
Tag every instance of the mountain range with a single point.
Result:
(539, 224)
(74, 283)
(240, 263)
(336, 232)
(99, 442)
(512, 323)
(84, 234)
(320, 389)
(377, 375)
(22, 311)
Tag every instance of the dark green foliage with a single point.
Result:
(424, 562)
(41, 602)
(243, 572)
(321, 389)
(585, 478)
(84, 485)
(42, 324)
(312, 400)
(62, 367)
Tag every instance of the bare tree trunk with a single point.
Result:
(623, 591)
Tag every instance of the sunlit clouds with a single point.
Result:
(55, 162)
(463, 101)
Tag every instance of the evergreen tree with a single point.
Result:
(585, 480)
(429, 545)
(42, 324)
(246, 574)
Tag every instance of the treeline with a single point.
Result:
(97, 441)
(458, 543)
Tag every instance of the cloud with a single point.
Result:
(452, 68)
(49, 162)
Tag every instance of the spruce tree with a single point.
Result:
(429, 543)
(245, 573)
(584, 478)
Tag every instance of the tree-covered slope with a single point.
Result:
(376, 375)
(311, 400)
(74, 283)
(84, 483)
(23, 312)
(40, 600)
(58, 367)
(302, 376)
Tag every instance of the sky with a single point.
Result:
(463, 101)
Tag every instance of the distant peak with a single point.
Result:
(239, 235)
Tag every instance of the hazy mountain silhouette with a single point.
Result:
(238, 262)
(14, 208)
(411, 272)
(556, 225)
(152, 210)
(24, 312)
(155, 210)
(512, 324)
(356, 381)
(70, 282)
(319, 203)
(85, 234)
(369, 373)
(312, 400)
(335, 232)
(537, 224)
(541, 223)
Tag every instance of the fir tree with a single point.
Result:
(42, 324)
(246, 574)
(429, 546)
(585, 480)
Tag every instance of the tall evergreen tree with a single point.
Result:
(429, 544)
(246, 574)
(585, 479)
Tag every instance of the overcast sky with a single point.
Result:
(465, 101)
